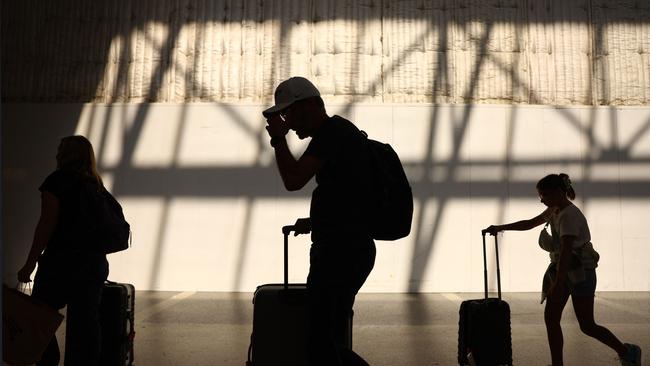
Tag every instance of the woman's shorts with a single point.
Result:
(586, 287)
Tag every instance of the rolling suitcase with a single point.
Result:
(280, 321)
(116, 316)
(484, 335)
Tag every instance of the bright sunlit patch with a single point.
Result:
(258, 257)
(635, 131)
(475, 178)
(222, 135)
(107, 180)
(182, 243)
(85, 120)
(159, 137)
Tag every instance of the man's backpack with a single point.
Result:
(104, 227)
(392, 211)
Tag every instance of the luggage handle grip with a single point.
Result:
(286, 230)
(496, 251)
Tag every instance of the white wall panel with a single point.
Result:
(175, 88)
(199, 185)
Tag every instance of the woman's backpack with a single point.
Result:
(102, 221)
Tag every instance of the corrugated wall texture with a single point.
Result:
(559, 52)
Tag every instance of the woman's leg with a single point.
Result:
(584, 309)
(83, 330)
(552, 316)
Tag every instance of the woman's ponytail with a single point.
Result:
(555, 181)
(567, 187)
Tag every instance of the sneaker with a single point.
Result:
(633, 356)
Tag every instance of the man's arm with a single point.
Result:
(295, 173)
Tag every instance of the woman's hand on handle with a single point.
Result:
(521, 225)
(492, 230)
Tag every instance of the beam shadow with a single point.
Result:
(424, 247)
(239, 181)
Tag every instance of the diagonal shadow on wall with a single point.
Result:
(198, 182)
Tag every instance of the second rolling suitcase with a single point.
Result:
(116, 316)
(280, 321)
(484, 334)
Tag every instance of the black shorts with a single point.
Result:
(586, 287)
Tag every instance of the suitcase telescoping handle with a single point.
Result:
(485, 277)
(286, 230)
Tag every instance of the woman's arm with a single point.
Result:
(521, 225)
(566, 243)
(44, 229)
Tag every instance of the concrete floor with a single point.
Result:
(187, 328)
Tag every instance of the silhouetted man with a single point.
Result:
(343, 252)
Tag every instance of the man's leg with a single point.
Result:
(321, 309)
(335, 277)
(363, 263)
(322, 349)
(343, 314)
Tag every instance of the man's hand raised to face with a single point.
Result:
(276, 127)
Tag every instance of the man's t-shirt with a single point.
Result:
(65, 185)
(340, 203)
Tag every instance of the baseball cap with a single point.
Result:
(290, 91)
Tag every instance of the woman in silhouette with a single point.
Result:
(69, 272)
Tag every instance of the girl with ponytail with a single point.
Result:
(572, 272)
